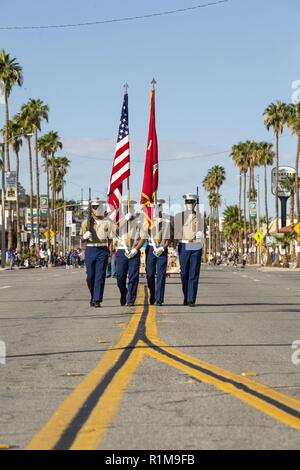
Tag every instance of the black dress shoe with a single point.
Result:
(152, 301)
(130, 304)
(185, 302)
(191, 305)
(159, 304)
(123, 301)
(92, 303)
(97, 305)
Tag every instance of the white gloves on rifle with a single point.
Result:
(87, 235)
(131, 253)
(199, 235)
(128, 216)
(158, 251)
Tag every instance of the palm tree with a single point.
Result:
(61, 168)
(293, 123)
(217, 175)
(275, 117)
(239, 156)
(265, 158)
(232, 226)
(27, 123)
(53, 144)
(44, 148)
(10, 75)
(215, 202)
(16, 142)
(208, 185)
(39, 112)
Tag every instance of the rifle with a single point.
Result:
(90, 215)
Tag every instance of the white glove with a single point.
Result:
(87, 235)
(176, 253)
(132, 253)
(128, 216)
(199, 235)
(158, 251)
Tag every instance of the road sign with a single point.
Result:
(73, 230)
(283, 172)
(258, 237)
(253, 210)
(43, 205)
(297, 228)
(69, 218)
(11, 186)
(51, 234)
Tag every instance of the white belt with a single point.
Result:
(195, 245)
(96, 244)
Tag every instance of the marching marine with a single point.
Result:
(97, 232)
(130, 238)
(157, 253)
(189, 236)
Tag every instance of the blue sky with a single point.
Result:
(216, 69)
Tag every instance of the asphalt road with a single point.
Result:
(146, 377)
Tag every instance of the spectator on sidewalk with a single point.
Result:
(11, 258)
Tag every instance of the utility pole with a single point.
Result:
(258, 253)
(3, 239)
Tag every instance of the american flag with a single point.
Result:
(121, 164)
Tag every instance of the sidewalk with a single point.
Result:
(269, 269)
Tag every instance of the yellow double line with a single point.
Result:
(84, 417)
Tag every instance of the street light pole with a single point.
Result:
(3, 239)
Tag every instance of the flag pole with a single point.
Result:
(153, 83)
(126, 86)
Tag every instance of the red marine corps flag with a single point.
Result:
(150, 183)
(121, 163)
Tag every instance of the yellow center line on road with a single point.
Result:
(99, 393)
(280, 406)
(81, 422)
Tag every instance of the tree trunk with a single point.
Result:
(63, 221)
(10, 235)
(53, 195)
(292, 218)
(19, 244)
(276, 182)
(211, 232)
(245, 213)
(37, 170)
(269, 259)
(297, 179)
(31, 185)
(48, 198)
(53, 202)
(298, 196)
(240, 239)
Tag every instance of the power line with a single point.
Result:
(115, 20)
